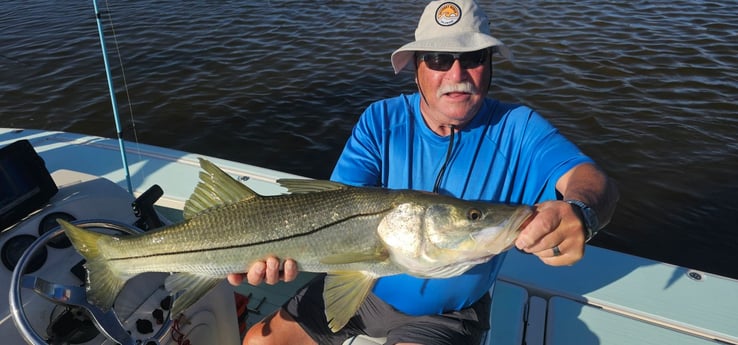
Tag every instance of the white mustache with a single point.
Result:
(466, 87)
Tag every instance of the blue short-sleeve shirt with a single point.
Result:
(508, 153)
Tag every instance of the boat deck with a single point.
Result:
(610, 297)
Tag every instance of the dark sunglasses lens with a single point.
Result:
(444, 61)
(472, 59)
(439, 62)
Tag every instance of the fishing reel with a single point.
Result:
(71, 296)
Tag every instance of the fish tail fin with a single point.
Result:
(103, 282)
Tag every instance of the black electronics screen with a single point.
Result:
(25, 184)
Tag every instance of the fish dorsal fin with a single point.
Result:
(302, 186)
(194, 287)
(343, 294)
(215, 188)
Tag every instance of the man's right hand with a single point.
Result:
(266, 271)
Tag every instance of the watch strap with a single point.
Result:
(588, 217)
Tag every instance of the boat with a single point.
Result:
(115, 185)
(606, 298)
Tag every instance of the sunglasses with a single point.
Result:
(443, 61)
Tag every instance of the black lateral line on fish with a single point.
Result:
(318, 229)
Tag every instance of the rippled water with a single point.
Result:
(647, 88)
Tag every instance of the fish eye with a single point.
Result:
(473, 214)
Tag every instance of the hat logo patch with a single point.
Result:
(448, 14)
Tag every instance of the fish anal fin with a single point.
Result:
(192, 286)
(343, 294)
(216, 188)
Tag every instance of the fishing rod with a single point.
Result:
(111, 88)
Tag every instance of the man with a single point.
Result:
(449, 138)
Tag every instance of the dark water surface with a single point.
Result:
(647, 88)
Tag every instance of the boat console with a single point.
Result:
(44, 276)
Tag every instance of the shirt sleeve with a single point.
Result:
(360, 161)
(546, 156)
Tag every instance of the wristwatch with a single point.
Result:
(588, 217)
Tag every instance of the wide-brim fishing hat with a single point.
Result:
(449, 26)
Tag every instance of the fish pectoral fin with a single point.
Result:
(193, 287)
(347, 258)
(343, 294)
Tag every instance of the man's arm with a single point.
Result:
(587, 183)
(557, 224)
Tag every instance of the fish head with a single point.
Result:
(446, 236)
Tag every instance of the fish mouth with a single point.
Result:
(528, 217)
(517, 222)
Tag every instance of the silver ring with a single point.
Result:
(556, 250)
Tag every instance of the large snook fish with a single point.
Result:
(354, 234)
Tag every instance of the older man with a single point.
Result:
(450, 138)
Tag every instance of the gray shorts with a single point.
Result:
(375, 318)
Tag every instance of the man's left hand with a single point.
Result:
(555, 234)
